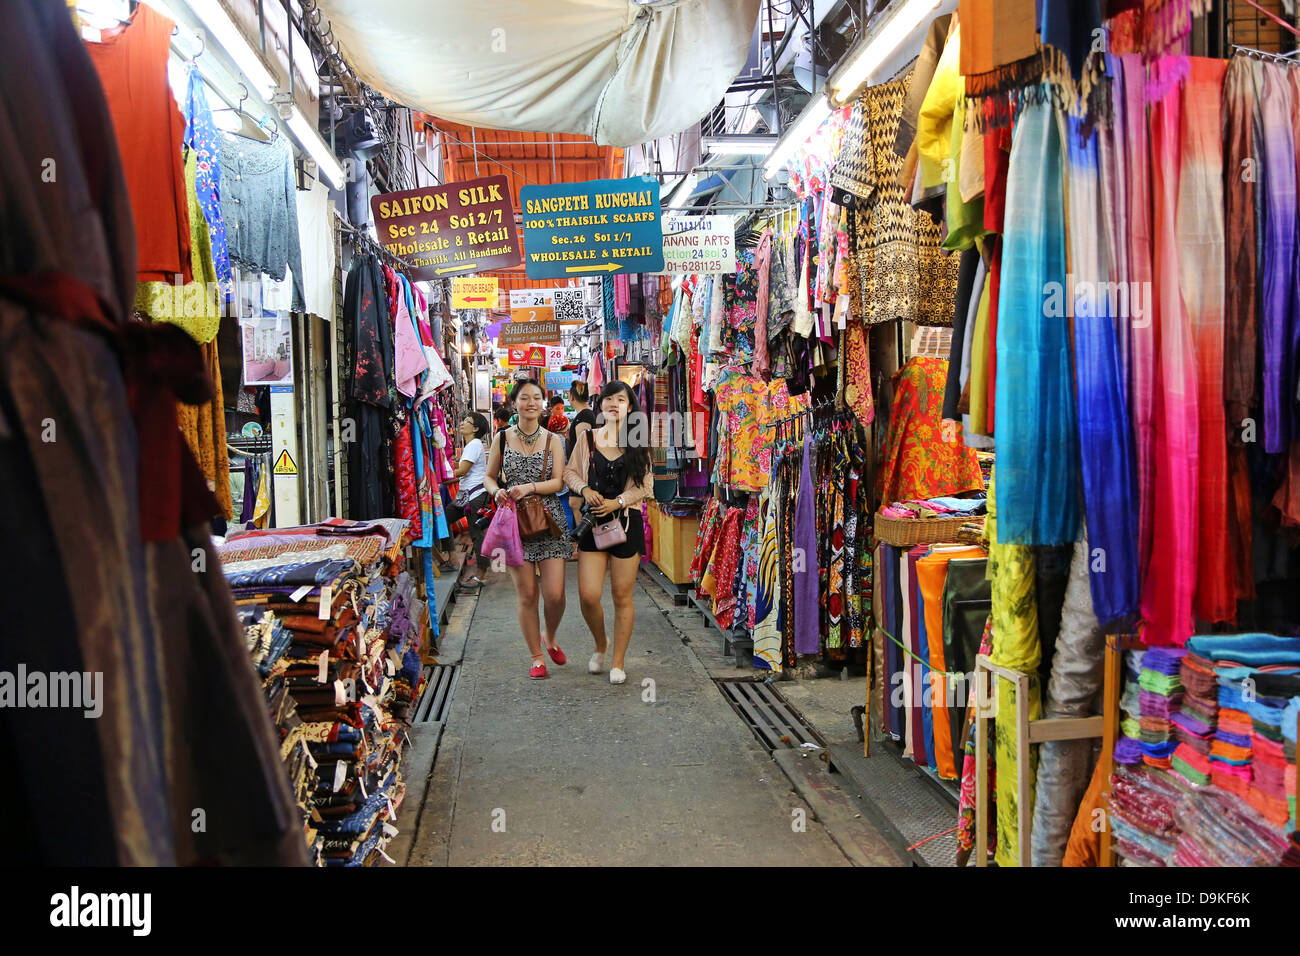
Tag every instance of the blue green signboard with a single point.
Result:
(598, 227)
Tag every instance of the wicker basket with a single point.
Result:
(905, 532)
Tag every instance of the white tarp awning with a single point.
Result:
(618, 71)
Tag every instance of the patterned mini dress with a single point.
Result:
(519, 469)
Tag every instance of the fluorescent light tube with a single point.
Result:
(880, 43)
(312, 141)
(756, 145)
(232, 40)
(813, 115)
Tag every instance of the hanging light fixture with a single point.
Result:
(879, 45)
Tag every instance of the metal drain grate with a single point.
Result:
(433, 706)
(774, 720)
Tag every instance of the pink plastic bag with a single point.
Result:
(501, 540)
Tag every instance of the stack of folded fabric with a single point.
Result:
(1128, 749)
(1142, 817)
(1269, 704)
(1159, 696)
(1196, 719)
(1230, 751)
(1216, 829)
(1290, 719)
(319, 605)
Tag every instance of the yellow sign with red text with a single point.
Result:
(474, 292)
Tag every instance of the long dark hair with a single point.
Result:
(638, 456)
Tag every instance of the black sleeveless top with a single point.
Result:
(570, 443)
(608, 478)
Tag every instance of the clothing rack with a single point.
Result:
(1289, 59)
(362, 241)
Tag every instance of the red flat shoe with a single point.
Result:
(557, 655)
(537, 672)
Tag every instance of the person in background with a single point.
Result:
(613, 479)
(584, 419)
(558, 423)
(501, 417)
(473, 496)
(515, 471)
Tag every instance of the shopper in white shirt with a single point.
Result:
(472, 497)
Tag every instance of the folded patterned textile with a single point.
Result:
(1187, 772)
(1137, 844)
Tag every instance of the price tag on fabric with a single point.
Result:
(390, 830)
(340, 694)
(326, 602)
(361, 782)
(299, 594)
(340, 775)
(392, 810)
(323, 667)
(380, 851)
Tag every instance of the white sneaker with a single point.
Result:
(616, 675)
(596, 664)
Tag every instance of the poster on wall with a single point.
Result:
(705, 245)
(268, 351)
(482, 390)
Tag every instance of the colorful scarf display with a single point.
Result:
(1037, 439)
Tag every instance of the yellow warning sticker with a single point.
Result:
(284, 465)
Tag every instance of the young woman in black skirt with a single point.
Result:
(610, 470)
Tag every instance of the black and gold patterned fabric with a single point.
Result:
(898, 270)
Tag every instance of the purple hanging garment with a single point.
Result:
(806, 615)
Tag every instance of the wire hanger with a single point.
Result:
(257, 131)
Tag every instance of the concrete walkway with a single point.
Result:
(572, 770)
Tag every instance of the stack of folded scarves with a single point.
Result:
(1269, 706)
(1216, 829)
(1230, 751)
(1159, 697)
(1128, 749)
(1196, 719)
(1142, 817)
(342, 685)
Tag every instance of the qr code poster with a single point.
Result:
(569, 308)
